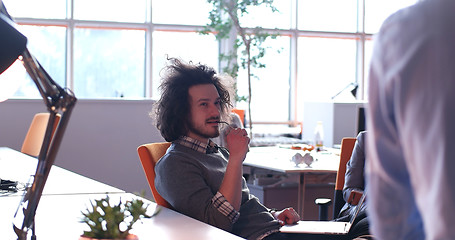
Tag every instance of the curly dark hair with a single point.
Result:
(172, 110)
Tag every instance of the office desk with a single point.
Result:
(58, 217)
(66, 194)
(16, 166)
(278, 159)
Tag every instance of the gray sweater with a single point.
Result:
(189, 179)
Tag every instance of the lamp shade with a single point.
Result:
(12, 43)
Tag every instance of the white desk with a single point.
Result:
(58, 217)
(278, 159)
(16, 166)
(66, 194)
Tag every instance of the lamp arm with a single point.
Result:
(57, 100)
(50, 91)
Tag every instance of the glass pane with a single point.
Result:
(194, 12)
(48, 9)
(109, 63)
(14, 78)
(47, 45)
(326, 66)
(112, 10)
(270, 87)
(327, 15)
(188, 46)
(264, 17)
(376, 11)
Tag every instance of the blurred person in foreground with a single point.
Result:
(411, 124)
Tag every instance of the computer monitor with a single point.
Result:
(361, 121)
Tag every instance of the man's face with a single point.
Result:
(204, 112)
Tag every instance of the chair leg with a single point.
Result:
(323, 215)
(323, 204)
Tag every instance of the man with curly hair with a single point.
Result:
(199, 178)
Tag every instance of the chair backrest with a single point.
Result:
(35, 135)
(241, 114)
(347, 145)
(149, 154)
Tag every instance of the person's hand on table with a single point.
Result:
(287, 216)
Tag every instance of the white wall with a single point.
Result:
(100, 141)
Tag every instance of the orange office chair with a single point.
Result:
(149, 154)
(35, 135)
(241, 114)
(347, 145)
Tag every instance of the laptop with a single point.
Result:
(323, 227)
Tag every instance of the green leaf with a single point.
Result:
(105, 219)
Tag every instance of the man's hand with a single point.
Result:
(237, 143)
(287, 216)
(231, 187)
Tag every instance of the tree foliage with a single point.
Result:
(224, 18)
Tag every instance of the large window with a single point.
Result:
(328, 64)
(189, 46)
(48, 46)
(110, 49)
(341, 16)
(109, 63)
(270, 85)
(116, 49)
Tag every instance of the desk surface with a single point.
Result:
(58, 217)
(279, 159)
(16, 166)
(66, 194)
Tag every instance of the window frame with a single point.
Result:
(149, 27)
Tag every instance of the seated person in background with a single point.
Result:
(198, 178)
(354, 185)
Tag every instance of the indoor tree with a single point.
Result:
(239, 43)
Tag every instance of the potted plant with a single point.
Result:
(225, 24)
(113, 221)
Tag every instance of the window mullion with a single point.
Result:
(70, 45)
(360, 65)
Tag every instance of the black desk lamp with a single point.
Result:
(353, 91)
(57, 100)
